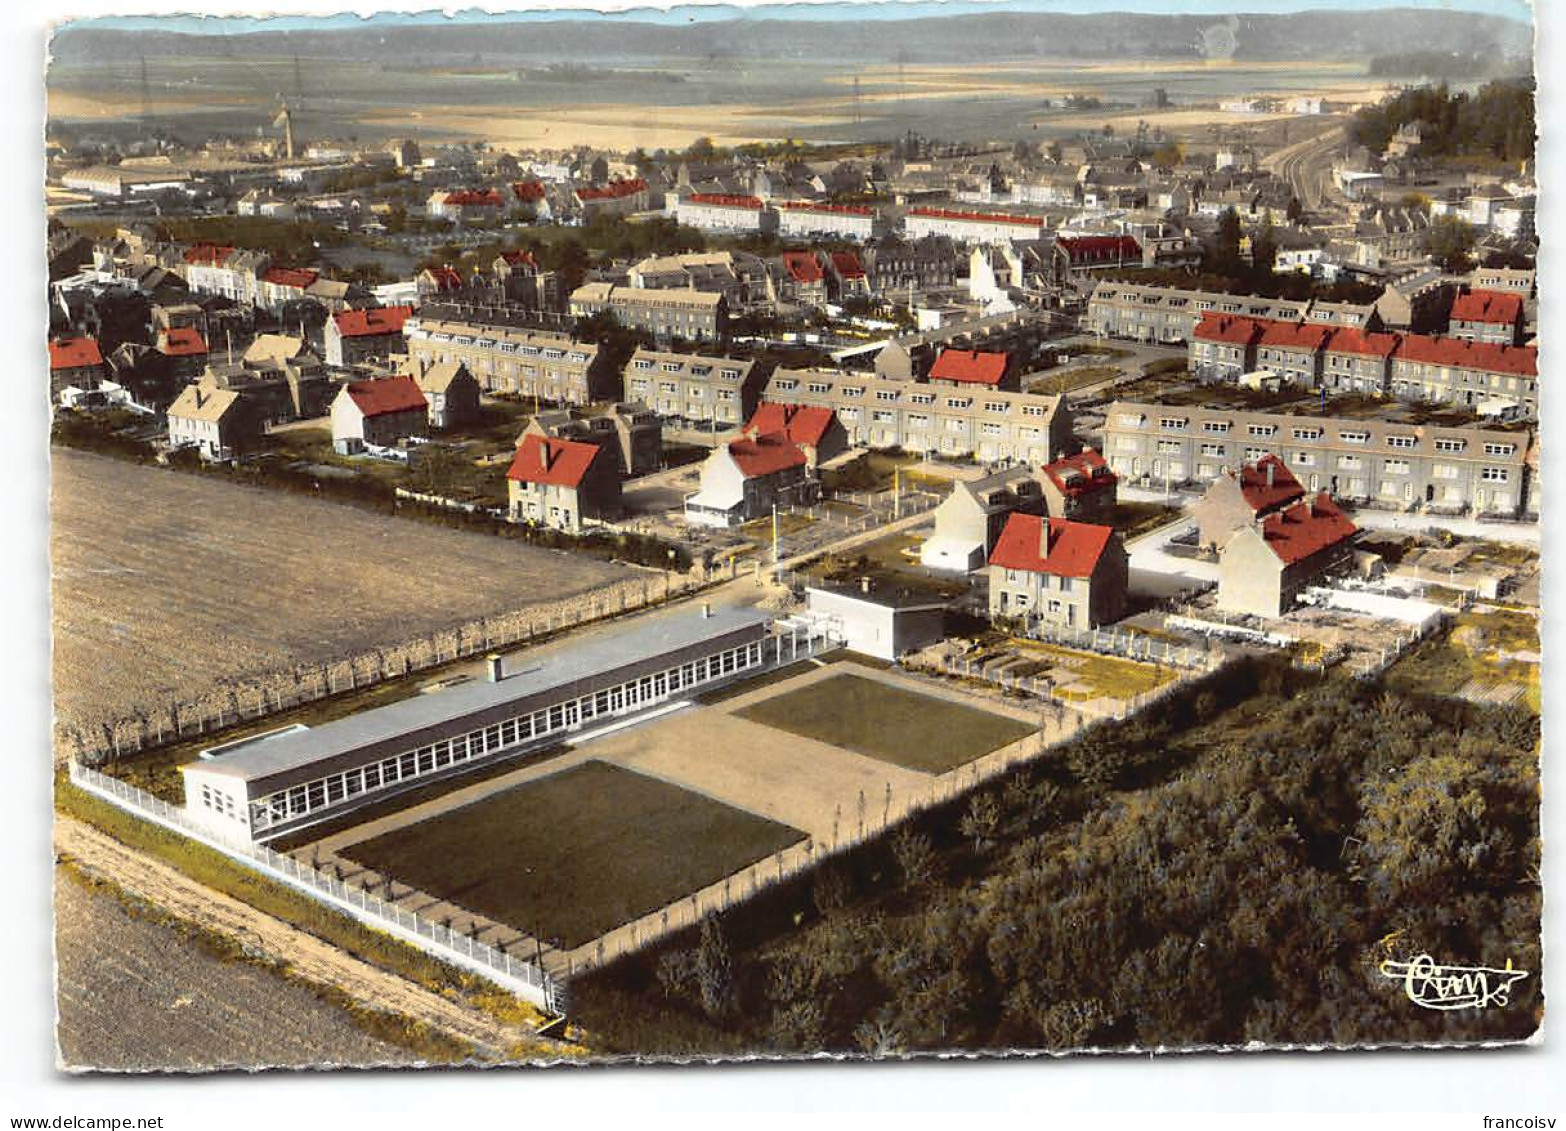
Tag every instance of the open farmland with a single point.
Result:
(171, 585)
(192, 1010)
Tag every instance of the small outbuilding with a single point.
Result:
(877, 620)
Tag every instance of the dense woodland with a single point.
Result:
(1231, 868)
(1496, 123)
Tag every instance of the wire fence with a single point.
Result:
(156, 726)
(870, 817)
(1126, 645)
(519, 977)
(1102, 707)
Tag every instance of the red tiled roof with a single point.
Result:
(1261, 496)
(207, 254)
(802, 424)
(1081, 474)
(1073, 549)
(841, 209)
(445, 278)
(614, 190)
(386, 395)
(469, 198)
(1522, 361)
(1228, 328)
(803, 266)
(1360, 342)
(372, 322)
(559, 463)
(1487, 306)
(971, 367)
(181, 341)
(289, 277)
(1097, 249)
(766, 453)
(519, 258)
(1294, 335)
(726, 200)
(529, 190)
(847, 264)
(1305, 528)
(73, 353)
(977, 217)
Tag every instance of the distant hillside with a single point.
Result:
(952, 39)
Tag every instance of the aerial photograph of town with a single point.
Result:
(581, 538)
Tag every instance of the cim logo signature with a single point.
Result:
(1433, 986)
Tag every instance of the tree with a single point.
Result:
(1450, 242)
(915, 857)
(1168, 155)
(714, 970)
(1225, 251)
(978, 823)
(1428, 829)
(1264, 248)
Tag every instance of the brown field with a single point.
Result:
(169, 584)
(606, 126)
(133, 995)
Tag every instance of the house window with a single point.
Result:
(1401, 441)
(1499, 449)
(1172, 423)
(1495, 475)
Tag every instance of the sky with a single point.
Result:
(212, 25)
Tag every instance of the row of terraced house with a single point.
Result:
(1479, 376)
(1482, 471)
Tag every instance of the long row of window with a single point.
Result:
(323, 793)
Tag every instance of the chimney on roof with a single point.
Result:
(543, 453)
(494, 662)
(706, 610)
(1270, 466)
(866, 584)
(1310, 509)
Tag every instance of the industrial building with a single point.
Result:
(263, 786)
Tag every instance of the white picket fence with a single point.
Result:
(436, 939)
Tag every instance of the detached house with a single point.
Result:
(74, 363)
(1055, 573)
(1237, 499)
(1263, 565)
(746, 478)
(450, 391)
(816, 430)
(378, 413)
(563, 484)
(357, 336)
(1079, 487)
(807, 279)
(219, 423)
(186, 350)
(970, 519)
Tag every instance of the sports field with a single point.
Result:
(906, 728)
(575, 854)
